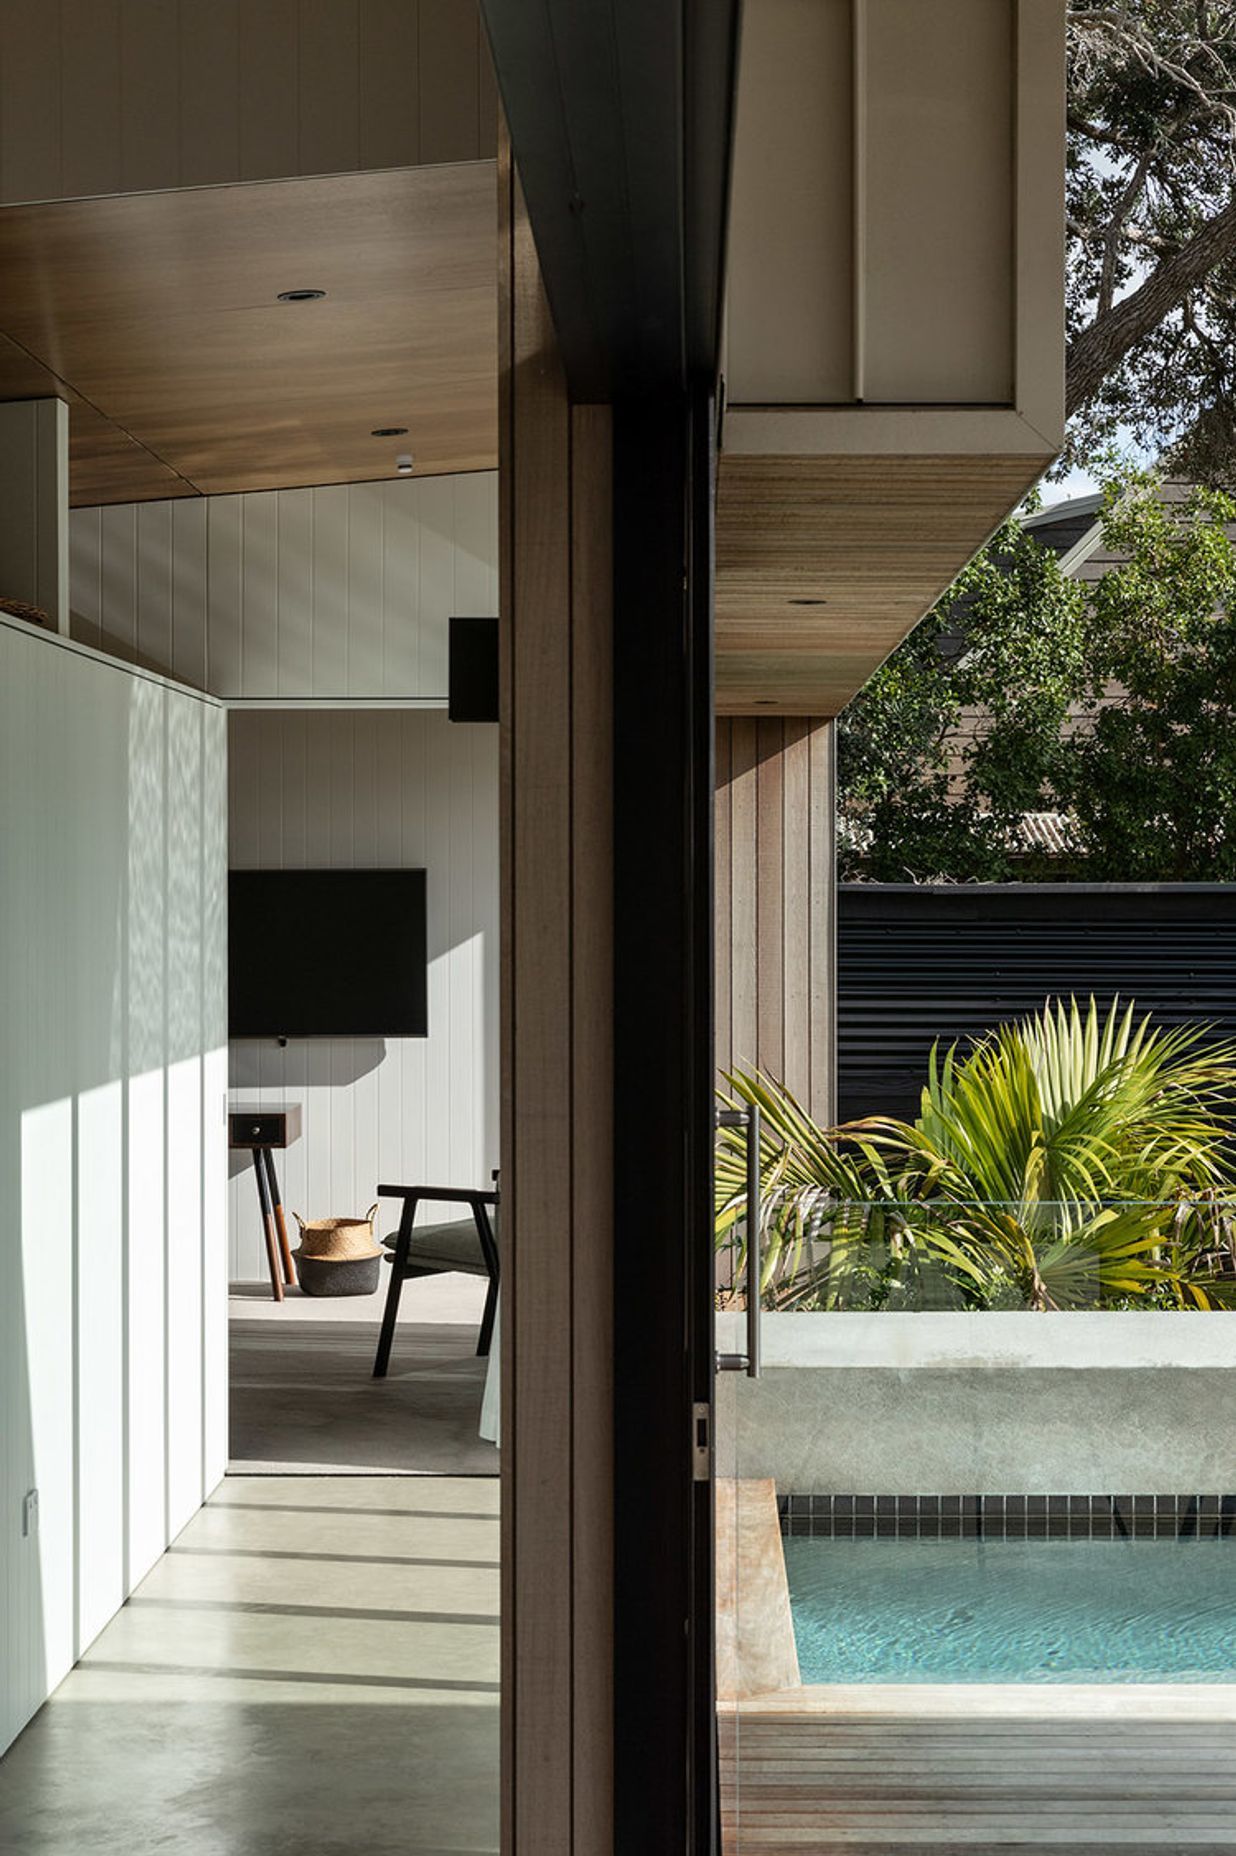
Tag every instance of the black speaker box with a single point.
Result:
(472, 686)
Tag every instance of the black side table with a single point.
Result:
(261, 1130)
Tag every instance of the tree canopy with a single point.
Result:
(1024, 690)
(1151, 199)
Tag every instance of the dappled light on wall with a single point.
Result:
(112, 1179)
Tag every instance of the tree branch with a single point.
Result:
(1097, 133)
(1097, 351)
(1129, 196)
(1133, 234)
(1116, 27)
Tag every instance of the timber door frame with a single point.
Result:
(556, 1066)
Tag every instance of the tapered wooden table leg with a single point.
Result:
(268, 1223)
(281, 1228)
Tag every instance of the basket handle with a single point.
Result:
(372, 1213)
(300, 1221)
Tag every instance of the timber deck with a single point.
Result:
(1149, 1770)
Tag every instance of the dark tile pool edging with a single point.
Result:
(1008, 1517)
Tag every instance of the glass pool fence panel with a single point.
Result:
(730, 1485)
(905, 1503)
(820, 1254)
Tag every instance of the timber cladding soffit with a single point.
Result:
(825, 563)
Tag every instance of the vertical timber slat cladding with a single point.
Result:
(796, 900)
(557, 1078)
(917, 963)
(743, 817)
(771, 869)
(775, 910)
(115, 96)
(723, 890)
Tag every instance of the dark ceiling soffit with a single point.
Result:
(620, 115)
(712, 37)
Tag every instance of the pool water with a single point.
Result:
(1014, 1610)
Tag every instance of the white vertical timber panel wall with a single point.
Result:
(362, 789)
(112, 1020)
(341, 591)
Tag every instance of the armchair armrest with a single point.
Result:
(446, 1195)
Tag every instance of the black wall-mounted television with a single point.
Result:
(327, 954)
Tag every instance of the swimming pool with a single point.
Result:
(889, 1610)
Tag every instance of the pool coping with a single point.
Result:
(995, 1339)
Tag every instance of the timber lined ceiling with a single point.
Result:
(825, 563)
(156, 317)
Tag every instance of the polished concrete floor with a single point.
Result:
(312, 1670)
(304, 1399)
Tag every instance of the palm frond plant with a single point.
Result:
(809, 1184)
(839, 1226)
(1073, 1159)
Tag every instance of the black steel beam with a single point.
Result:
(619, 113)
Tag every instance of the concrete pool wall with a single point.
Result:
(965, 1404)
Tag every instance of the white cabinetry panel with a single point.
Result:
(112, 1169)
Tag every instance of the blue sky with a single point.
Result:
(1077, 483)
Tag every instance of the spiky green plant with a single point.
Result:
(1070, 1160)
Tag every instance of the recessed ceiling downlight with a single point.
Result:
(388, 431)
(301, 296)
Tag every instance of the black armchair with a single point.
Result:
(466, 1245)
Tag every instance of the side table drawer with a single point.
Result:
(262, 1127)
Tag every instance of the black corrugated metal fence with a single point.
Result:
(918, 963)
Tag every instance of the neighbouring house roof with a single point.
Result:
(1074, 531)
(1074, 509)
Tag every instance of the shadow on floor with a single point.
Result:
(412, 1778)
(304, 1400)
(239, 1706)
